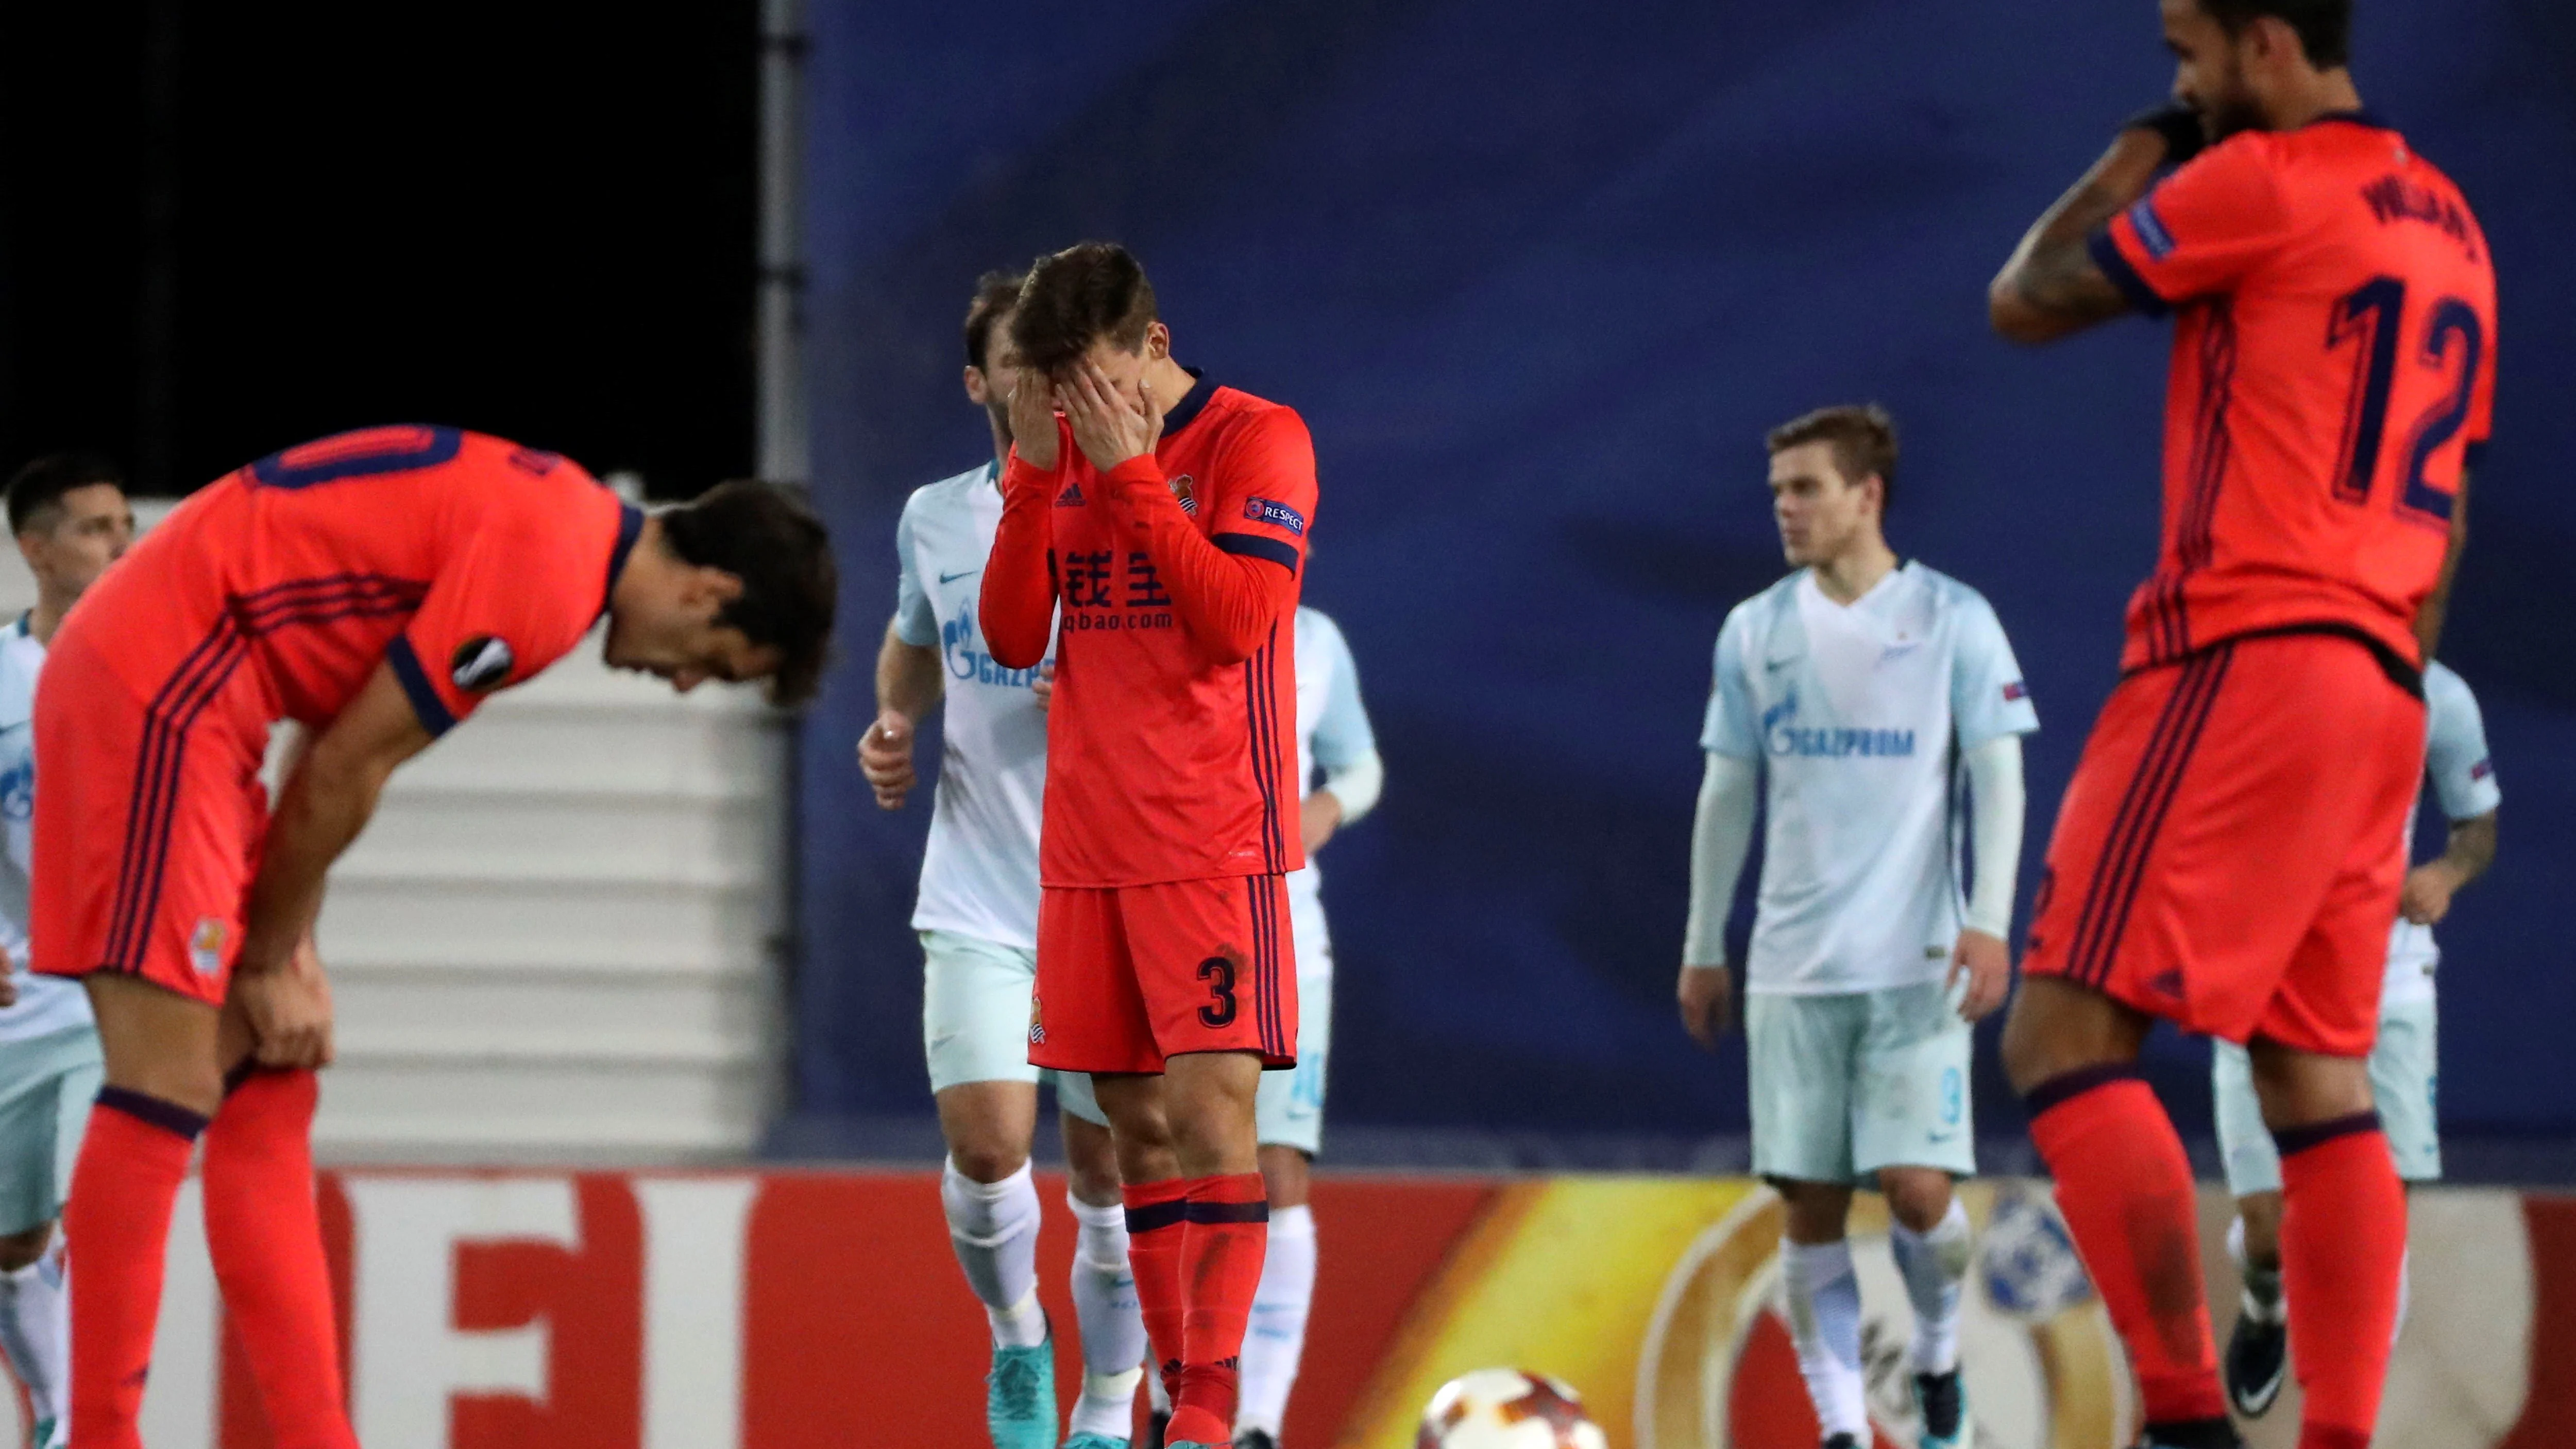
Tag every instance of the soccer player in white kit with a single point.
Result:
(1334, 740)
(71, 520)
(1856, 692)
(2402, 1062)
(977, 915)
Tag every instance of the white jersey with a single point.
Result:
(1858, 715)
(1332, 733)
(2464, 781)
(46, 1004)
(979, 876)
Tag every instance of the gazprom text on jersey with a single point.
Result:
(1812, 743)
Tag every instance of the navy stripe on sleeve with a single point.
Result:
(2107, 256)
(433, 711)
(1253, 545)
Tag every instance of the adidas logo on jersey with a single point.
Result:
(1071, 497)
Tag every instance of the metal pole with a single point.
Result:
(783, 454)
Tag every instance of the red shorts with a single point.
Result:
(149, 817)
(2231, 847)
(1131, 975)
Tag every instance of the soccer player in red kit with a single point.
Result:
(1164, 519)
(2229, 853)
(374, 587)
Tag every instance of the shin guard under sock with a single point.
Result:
(2125, 1188)
(264, 1230)
(117, 1230)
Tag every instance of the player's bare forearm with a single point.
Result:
(2437, 606)
(327, 801)
(1229, 602)
(909, 679)
(2051, 286)
(2472, 848)
(1016, 604)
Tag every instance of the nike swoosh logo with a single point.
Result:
(1779, 663)
(952, 578)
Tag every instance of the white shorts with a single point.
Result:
(46, 1086)
(1290, 1110)
(2404, 1077)
(1846, 1084)
(975, 1004)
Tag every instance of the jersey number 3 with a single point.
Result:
(2373, 318)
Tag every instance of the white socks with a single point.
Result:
(36, 1332)
(1113, 1331)
(1933, 1265)
(1277, 1337)
(994, 1227)
(1824, 1322)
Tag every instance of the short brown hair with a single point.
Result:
(38, 489)
(1077, 297)
(768, 536)
(1863, 438)
(995, 294)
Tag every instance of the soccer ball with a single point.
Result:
(1507, 1409)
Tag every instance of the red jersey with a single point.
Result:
(1172, 739)
(2333, 370)
(467, 562)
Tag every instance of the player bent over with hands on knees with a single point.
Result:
(2402, 1060)
(1167, 516)
(69, 515)
(2333, 372)
(1845, 693)
(374, 587)
(978, 918)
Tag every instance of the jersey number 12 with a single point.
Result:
(2373, 317)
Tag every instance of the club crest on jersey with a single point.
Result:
(1276, 514)
(481, 664)
(206, 946)
(1185, 488)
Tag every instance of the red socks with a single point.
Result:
(117, 1225)
(2343, 1251)
(1156, 1223)
(1221, 1262)
(2125, 1188)
(1196, 1245)
(265, 1232)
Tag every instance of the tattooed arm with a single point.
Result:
(2052, 287)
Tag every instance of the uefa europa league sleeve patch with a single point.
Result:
(481, 664)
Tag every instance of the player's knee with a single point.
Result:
(17, 1250)
(987, 1157)
(1918, 1199)
(2056, 1027)
(2299, 1088)
(1817, 1212)
(1284, 1176)
(1090, 1163)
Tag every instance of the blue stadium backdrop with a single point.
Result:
(1538, 276)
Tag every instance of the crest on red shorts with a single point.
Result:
(206, 946)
